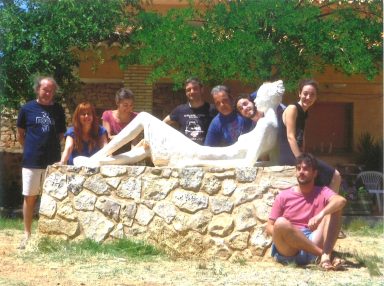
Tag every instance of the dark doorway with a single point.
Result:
(329, 128)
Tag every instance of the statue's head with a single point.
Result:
(269, 95)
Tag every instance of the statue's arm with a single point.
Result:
(262, 139)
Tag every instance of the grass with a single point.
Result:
(361, 227)
(124, 248)
(7, 223)
(241, 261)
(369, 261)
(119, 248)
(60, 249)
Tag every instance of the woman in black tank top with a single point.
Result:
(293, 119)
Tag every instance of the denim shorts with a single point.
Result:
(301, 258)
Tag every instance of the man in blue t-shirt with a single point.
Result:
(193, 118)
(40, 126)
(228, 125)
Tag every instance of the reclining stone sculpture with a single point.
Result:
(168, 147)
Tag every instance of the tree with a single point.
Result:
(257, 40)
(43, 37)
(247, 40)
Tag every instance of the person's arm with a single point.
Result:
(68, 148)
(289, 118)
(61, 136)
(103, 140)
(21, 135)
(105, 122)
(269, 227)
(276, 212)
(214, 135)
(107, 127)
(335, 203)
(61, 124)
(171, 122)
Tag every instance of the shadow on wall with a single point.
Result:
(10, 181)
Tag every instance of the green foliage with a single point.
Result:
(117, 248)
(254, 41)
(43, 37)
(370, 152)
(362, 190)
(247, 40)
(6, 223)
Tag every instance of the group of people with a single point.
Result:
(304, 219)
(41, 126)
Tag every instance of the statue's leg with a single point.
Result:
(133, 156)
(82, 161)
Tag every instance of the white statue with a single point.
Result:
(168, 147)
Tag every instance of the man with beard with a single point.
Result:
(305, 220)
(227, 125)
(248, 109)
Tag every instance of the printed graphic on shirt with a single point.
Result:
(193, 129)
(45, 121)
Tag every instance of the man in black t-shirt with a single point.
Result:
(193, 118)
(40, 126)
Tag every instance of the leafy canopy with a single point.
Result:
(247, 40)
(257, 40)
(42, 37)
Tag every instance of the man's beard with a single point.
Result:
(305, 181)
(252, 113)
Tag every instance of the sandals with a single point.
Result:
(341, 235)
(326, 265)
(336, 265)
(23, 243)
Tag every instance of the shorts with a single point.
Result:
(324, 174)
(301, 258)
(33, 180)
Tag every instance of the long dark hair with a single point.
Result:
(94, 132)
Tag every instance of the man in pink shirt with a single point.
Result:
(305, 220)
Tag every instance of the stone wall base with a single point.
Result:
(190, 212)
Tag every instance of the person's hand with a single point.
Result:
(315, 221)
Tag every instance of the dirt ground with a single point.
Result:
(28, 267)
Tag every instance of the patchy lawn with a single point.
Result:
(34, 267)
